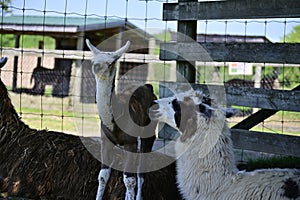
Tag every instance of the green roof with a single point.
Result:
(56, 20)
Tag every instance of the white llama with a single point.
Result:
(206, 168)
(104, 69)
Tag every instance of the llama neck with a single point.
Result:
(205, 172)
(9, 119)
(104, 91)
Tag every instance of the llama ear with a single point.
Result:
(230, 112)
(206, 110)
(3, 61)
(117, 54)
(92, 47)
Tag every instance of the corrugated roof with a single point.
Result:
(59, 24)
(56, 20)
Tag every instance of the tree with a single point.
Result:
(293, 36)
(291, 75)
(5, 6)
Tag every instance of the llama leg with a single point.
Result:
(146, 147)
(140, 186)
(103, 179)
(106, 159)
(130, 183)
(130, 164)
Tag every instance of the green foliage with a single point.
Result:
(206, 74)
(293, 36)
(7, 40)
(164, 36)
(289, 77)
(27, 41)
(5, 6)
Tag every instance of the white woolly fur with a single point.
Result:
(206, 168)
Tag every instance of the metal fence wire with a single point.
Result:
(49, 72)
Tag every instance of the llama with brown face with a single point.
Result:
(45, 164)
(116, 129)
(205, 163)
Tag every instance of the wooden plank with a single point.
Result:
(257, 117)
(77, 54)
(187, 31)
(264, 98)
(67, 54)
(231, 9)
(242, 96)
(266, 142)
(232, 52)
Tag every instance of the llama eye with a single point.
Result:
(207, 100)
(110, 64)
(176, 105)
(202, 108)
(205, 110)
(97, 67)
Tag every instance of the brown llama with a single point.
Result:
(42, 164)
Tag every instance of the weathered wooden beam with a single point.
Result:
(16, 60)
(258, 97)
(266, 142)
(232, 52)
(242, 96)
(76, 54)
(231, 9)
(264, 98)
(257, 117)
(187, 31)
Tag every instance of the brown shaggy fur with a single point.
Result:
(53, 165)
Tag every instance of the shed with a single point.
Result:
(69, 34)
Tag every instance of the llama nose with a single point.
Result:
(154, 106)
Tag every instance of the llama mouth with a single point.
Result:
(154, 112)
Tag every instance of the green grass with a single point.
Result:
(55, 120)
(27, 41)
(274, 162)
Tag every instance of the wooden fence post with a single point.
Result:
(187, 30)
(16, 60)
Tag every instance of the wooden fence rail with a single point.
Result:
(266, 142)
(288, 100)
(232, 52)
(75, 54)
(231, 9)
(188, 12)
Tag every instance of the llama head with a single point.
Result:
(191, 114)
(104, 62)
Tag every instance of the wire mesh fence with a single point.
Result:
(49, 74)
